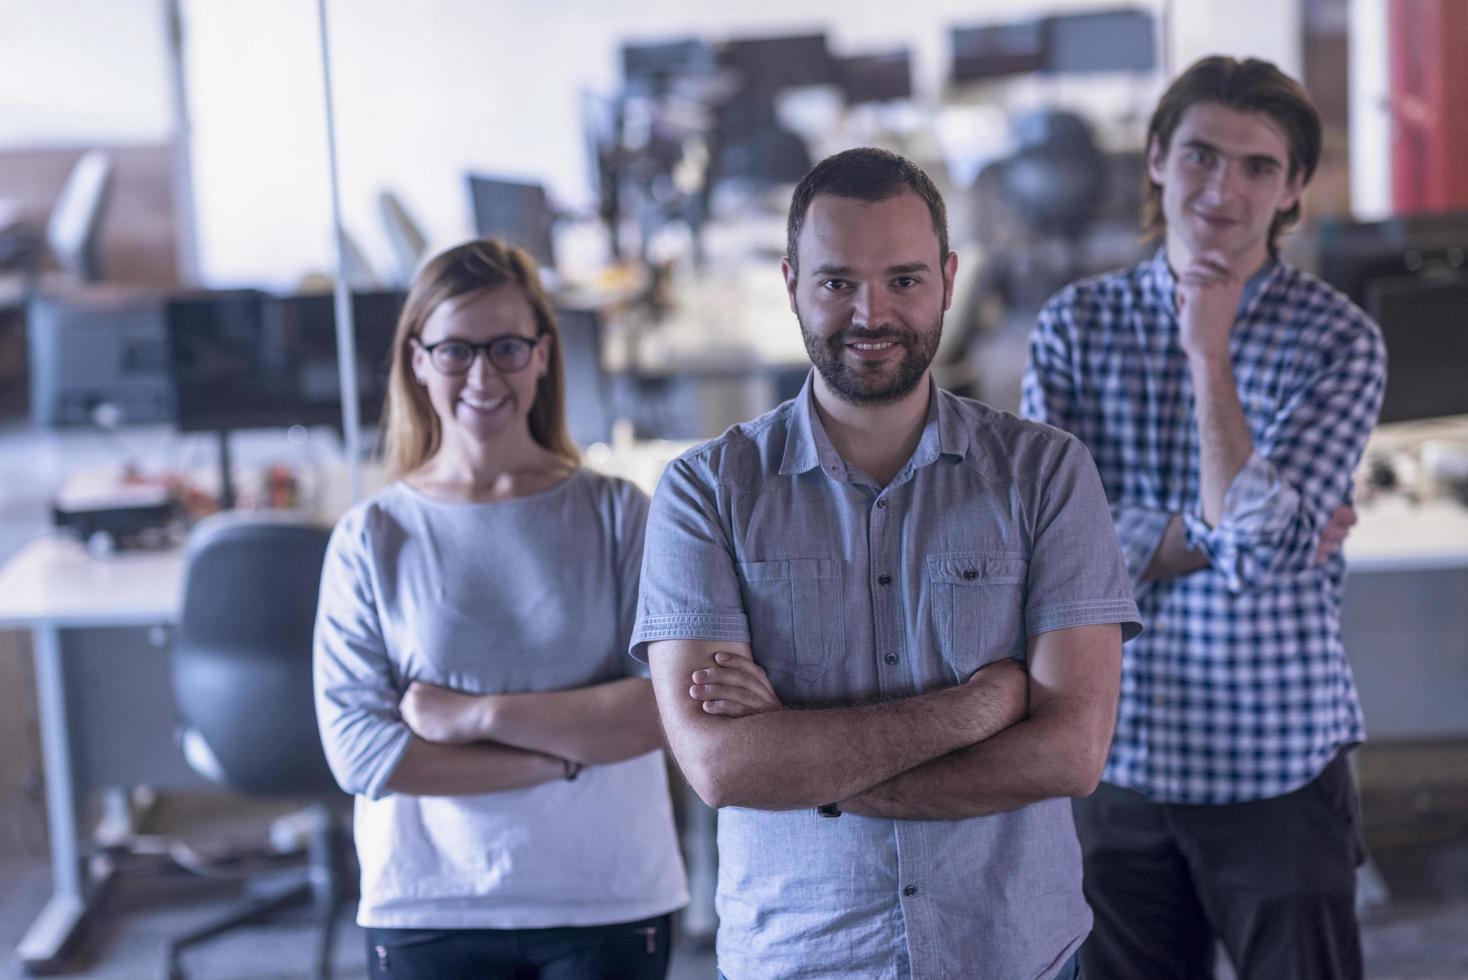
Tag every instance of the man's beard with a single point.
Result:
(858, 387)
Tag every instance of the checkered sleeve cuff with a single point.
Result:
(1258, 510)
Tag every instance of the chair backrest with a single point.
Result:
(404, 235)
(242, 656)
(74, 230)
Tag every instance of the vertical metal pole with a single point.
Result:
(1166, 49)
(346, 342)
(61, 917)
(56, 752)
(185, 216)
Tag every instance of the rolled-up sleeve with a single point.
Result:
(690, 585)
(1300, 471)
(356, 696)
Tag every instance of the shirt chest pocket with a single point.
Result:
(977, 602)
(794, 609)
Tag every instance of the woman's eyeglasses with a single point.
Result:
(506, 354)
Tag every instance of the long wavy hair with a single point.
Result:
(411, 429)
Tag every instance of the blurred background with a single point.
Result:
(173, 276)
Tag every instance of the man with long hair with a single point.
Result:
(1226, 397)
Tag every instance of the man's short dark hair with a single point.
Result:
(864, 174)
(1250, 85)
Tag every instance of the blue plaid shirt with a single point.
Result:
(1239, 688)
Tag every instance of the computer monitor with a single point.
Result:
(375, 317)
(515, 211)
(1352, 254)
(769, 64)
(589, 412)
(1104, 40)
(243, 359)
(876, 77)
(646, 67)
(991, 51)
(1424, 321)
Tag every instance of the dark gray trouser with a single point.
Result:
(1274, 879)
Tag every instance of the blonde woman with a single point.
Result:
(472, 682)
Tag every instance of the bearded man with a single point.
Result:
(884, 626)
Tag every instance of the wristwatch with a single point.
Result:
(828, 810)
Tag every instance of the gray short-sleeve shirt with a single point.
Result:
(996, 529)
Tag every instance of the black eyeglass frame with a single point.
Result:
(480, 349)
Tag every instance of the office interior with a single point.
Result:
(203, 256)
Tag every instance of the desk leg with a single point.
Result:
(58, 923)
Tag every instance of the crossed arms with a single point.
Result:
(383, 737)
(468, 743)
(1271, 502)
(999, 741)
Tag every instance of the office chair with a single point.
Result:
(74, 231)
(241, 668)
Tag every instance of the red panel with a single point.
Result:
(1429, 85)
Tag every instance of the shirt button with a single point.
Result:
(884, 580)
(882, 502)
(910, 891)
(970, 574)
(891, 658)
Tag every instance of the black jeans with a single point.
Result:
(624, 951)
(1274, 879)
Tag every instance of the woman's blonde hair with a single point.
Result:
(411, 430)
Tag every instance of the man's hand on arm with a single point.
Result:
(783, 759)
(734, 687)
(1174, 558)
(1059, 750)
(1333, 537)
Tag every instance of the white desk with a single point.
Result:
(1395, 536)
(1404, 619)
(55, 581)
(53, 584)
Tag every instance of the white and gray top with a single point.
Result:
(535, 593)
(995, 530)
